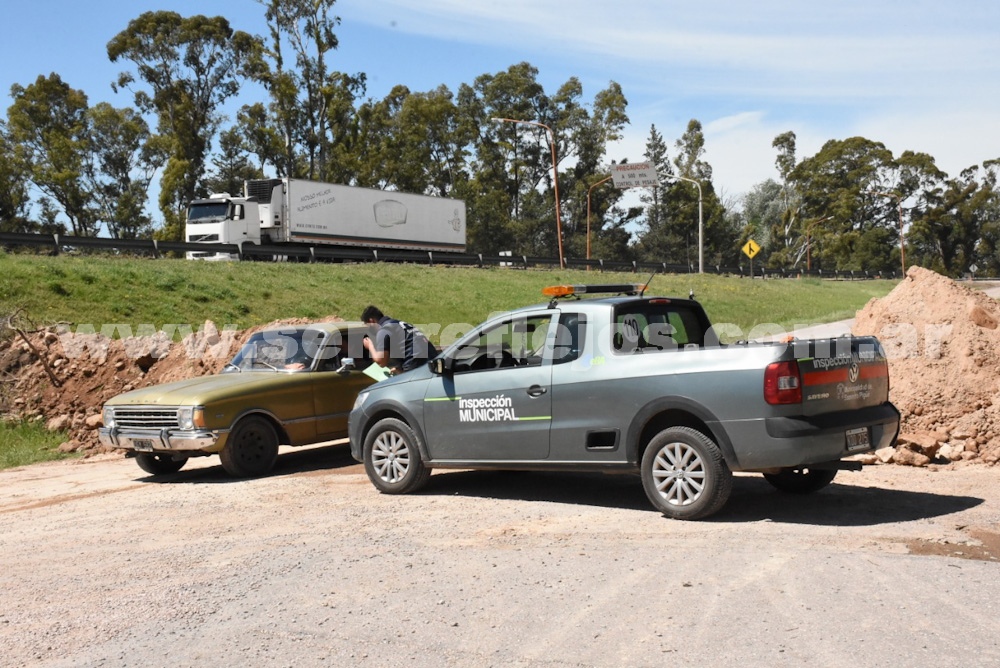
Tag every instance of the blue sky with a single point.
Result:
(914, 75)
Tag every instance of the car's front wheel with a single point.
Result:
(158, 464)
(685, 475)
(392, 458)
(251, 449)
(801, 481)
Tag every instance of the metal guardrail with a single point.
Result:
(58, 243)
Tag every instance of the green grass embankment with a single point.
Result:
(99, 290)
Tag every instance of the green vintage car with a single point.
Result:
(294, 385)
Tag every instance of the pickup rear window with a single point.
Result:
(658, 324)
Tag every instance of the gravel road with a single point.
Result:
(310, 566)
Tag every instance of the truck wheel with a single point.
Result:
(251, 449)
(159, 464)
(685, 475)
(801, 481)
(392, 458)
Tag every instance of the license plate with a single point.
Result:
(858, 439)
(142, 444)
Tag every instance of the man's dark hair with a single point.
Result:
(372, 313)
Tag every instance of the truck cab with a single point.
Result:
(222, 219)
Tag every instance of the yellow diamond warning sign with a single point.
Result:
(751, 248)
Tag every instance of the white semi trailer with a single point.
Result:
(308, 213)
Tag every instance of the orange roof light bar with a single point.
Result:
(615, 288)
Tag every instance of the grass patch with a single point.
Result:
(29, 442)
(104, 290)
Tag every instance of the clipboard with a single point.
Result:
(376, 372)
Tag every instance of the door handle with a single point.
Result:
(536, 391)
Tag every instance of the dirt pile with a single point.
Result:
(63, 376)
(943, 344)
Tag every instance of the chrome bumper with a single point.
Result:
(157, 440)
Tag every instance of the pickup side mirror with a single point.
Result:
(442, 366)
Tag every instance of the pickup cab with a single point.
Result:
(629, 384)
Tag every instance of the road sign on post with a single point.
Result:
(635, 175)
(750, 249)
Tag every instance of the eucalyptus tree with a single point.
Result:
(377, 163)
(191, 66)
(784, 234)
(842, 183)
(231, 164)
(49, 132)
(120, 168)
(513, 159)
(261, 138)
(592, 128)
(987, 253)
(762, 220)
(957, 226)
(413, 142)
(14, 197)
(522, 154)
(720, 242)
(433, 136)
(312, 105)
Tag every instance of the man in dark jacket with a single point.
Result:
(395, 344)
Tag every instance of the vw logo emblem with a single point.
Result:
(853, 372)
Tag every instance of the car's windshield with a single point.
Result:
(279, 350)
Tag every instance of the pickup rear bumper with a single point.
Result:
(783, 442)
(885, 415)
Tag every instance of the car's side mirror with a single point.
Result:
(346, 367)
(441, 365)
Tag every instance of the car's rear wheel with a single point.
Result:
(158, 464)
(251, 449)
(802, 480)
(392, 458)
(685, 475)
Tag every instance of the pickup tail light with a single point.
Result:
(782, 384)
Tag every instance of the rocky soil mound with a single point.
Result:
(63, 376)
(943, 344)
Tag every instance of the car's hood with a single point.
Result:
(203, 389)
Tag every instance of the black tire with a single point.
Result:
(158, 464)
(251, 449)
(801, 481)
(685, 475)
(392, 458)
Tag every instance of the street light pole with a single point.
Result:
(899, 208)
(555, 177)
(590, 190)
(701, 226)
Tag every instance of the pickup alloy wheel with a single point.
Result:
(392, 458)
(251, 449)
(685, 475)
(158, 464)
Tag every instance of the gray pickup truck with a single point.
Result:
(629, 383)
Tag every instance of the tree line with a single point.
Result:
(843, 208)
